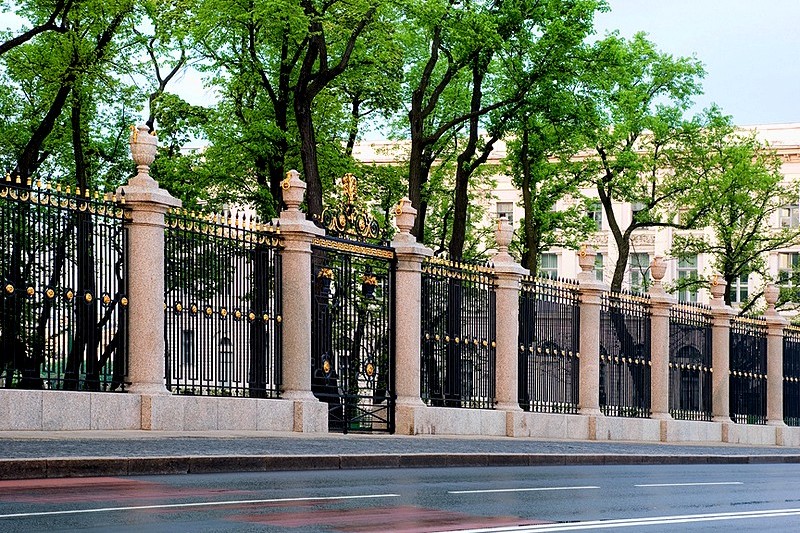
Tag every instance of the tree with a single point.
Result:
(740, 177)
(640, 104)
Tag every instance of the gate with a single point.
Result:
(352, 319)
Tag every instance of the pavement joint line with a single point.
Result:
(60, 467)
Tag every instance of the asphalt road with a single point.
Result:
(565, 498)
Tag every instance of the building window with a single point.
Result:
(225, 360)
(787, 268)
(598, 267)
(639, 265)
(790, 216)
(187, 346)
(548, 266)
(687, 270)
(739, 289)
(595, 212)
(506, 209)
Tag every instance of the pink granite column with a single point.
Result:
(660, 305)
(720, 350)
(408, 311)
(591, 291)
(509, 274)
(775, 326)
(145, 206)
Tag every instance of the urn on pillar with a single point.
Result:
(718, 289)
(586, 258)
(658, 267)
(503, 235)
(144, 146)
(771, 293)
(404, 215)
(294, 190)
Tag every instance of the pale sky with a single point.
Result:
(750, 49)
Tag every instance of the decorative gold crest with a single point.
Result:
(370, 369)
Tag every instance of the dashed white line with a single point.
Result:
(524, 489)
(198, 504)
(697, 484)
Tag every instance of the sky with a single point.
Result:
(750, 50)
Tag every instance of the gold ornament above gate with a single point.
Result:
(348, 219)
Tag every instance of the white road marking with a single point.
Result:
(698, 484)
(527, 489)
(198, 504)
(638, 522)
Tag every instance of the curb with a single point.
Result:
(139, 466)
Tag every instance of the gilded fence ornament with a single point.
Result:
(348, 218)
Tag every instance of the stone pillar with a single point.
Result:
(775, 325)
(660, 305)
(145, 207)
(408, 318)
(509, 274)
(720, 350)
(591, 291)
(298, 234)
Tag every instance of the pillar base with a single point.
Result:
(149, 389)
(508, 407)
(310, 416)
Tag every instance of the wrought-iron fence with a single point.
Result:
(222, 306)
(458, 334)
(625, 355)
(64, 303)
(748, 370)
(549, 333)
(791, 376)
(690, 369)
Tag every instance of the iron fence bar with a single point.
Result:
(690, 367)
(625, 355)
(223, 316)
(791, 375)
(748, 370)
(549, 346)
(64, 299)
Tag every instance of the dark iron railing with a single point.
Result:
(458, 335)
(64, 302)
(222, 308)
(690, 368)
(748, 371)
(791, 376)
(549, 333)
(625, 355)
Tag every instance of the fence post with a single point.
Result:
(408, 317)
(509, 274)
(591, 292)
(775, 325)
(145, 207)
(298, 234)
(721, 352)
(660, 305)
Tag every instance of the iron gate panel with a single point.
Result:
(352, 331)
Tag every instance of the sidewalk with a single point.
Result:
(116, 453)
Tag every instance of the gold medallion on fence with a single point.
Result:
(50, 293)
(370, 369)
(30, 291)
(326, 366)
(124, 301)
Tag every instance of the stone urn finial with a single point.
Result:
(658, 267)
(294, 190)
(718, 286)
(771, 293)
(503, 235)
(586, 258)
(404, 216)
(143, 150)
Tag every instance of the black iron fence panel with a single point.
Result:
(791, 376)
(625, 355)
(64, 300)
(690, 369)
(222, 310)
(352, 331)
(549, 351)
(458, 335)
(748, 370)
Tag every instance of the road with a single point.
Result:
(564, 498)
